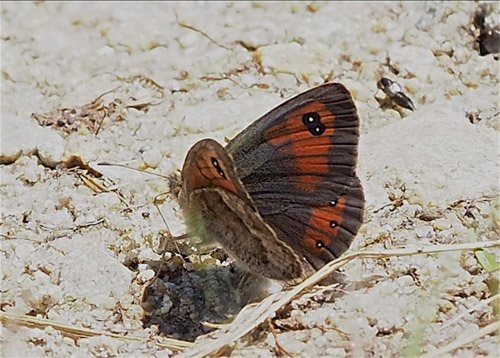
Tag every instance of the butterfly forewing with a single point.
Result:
(298, 164)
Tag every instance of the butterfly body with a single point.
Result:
(283, 196)
(219, 209)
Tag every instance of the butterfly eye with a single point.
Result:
(216, 165)
(312, 121)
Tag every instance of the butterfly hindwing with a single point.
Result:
(298, 164)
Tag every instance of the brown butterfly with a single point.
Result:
(282, 197)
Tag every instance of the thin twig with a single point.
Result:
(460, 342)
(74, 227)
(99, 99)
(275, 336)
(97, 187)
(190, 27)
(80, 332)
(473, 308)
(11, 237)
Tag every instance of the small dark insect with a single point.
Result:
(395, 93)
(486, 30)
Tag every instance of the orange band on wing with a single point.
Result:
(205, 175)
(310, 151)
(321, 223)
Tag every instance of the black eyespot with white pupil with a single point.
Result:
(216, 165)
(320, 244)
(312, 121)
(333, 223)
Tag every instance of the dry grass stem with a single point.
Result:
(254, 315)
(78, 332)
(472, 309)
(462, 341)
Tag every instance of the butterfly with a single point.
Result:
(282, 197)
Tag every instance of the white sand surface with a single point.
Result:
(151, 79)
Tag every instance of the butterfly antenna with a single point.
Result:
(163, 245)
(162, 249)
(137, 170)
(155, 203)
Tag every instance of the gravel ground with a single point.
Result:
(139, 83)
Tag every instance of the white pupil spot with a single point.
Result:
(333, 223)
(310, 119)
(317, 129)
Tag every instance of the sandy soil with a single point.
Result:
(139, 83)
